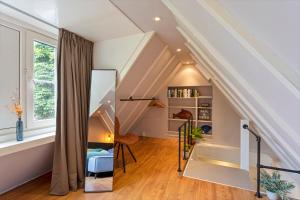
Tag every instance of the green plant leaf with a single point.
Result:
(273, 183)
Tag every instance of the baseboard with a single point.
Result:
(31, 179)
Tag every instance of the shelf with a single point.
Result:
(192, 86)
(171, 119)
(200, 97)
(182, 97)
(205, 97)
(191, 107)
(182, 107)
(207, 135)
(204, 121)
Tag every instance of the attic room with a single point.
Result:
(160, 99)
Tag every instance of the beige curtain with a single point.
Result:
(74, 65)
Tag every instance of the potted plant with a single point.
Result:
(197, 134)
(274, 186)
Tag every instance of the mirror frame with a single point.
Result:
(87, 141)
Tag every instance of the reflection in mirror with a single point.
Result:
(100, 151)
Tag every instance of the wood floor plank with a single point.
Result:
(154, 176)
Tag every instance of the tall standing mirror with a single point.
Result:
(100, 146)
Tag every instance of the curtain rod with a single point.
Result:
(138, 99)
(29, 15)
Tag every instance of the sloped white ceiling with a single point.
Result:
(274, 23)
(95, 20)
(153, 65)
(265, 95)
(142, 12)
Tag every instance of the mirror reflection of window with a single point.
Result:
(100, 151)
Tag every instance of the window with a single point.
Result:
(41, 83)
(9, 74)
(44, 81)
(29, 61)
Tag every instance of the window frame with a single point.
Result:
(31, 37)
(7, 134)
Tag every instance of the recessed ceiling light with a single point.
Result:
(157, 19)
(178, 50)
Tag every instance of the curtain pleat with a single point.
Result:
(74, 66)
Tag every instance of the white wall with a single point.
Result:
(226, 122)
(23, 166)
(114, 53)
(154, 121)
(188, 75)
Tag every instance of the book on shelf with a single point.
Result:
(182, 92)
(204, 114)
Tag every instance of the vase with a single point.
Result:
(19, 129)
(272, 195)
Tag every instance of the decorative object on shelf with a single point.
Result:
(205, 105)
(197, 134)
(183, 92)
(204, 114)
(19, 124)
(206, 129)
(275, 186)
(157, 103)
(183, 114)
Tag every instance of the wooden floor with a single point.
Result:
(154, 176)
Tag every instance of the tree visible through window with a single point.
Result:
(44, 81)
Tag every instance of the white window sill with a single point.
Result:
(10, 147)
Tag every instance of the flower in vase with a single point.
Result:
(18, 110)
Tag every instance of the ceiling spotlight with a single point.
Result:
(178, 50)
(157, 19)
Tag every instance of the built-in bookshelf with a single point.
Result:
(195, 99)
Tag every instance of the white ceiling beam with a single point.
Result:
(241, 81)
(149, 87)
(162, 86)
(228, 68)
(201, 65)
(133, 57)
(145, 75)
(255, 115)
(148, 91)
(235, 103)
(246, 42)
